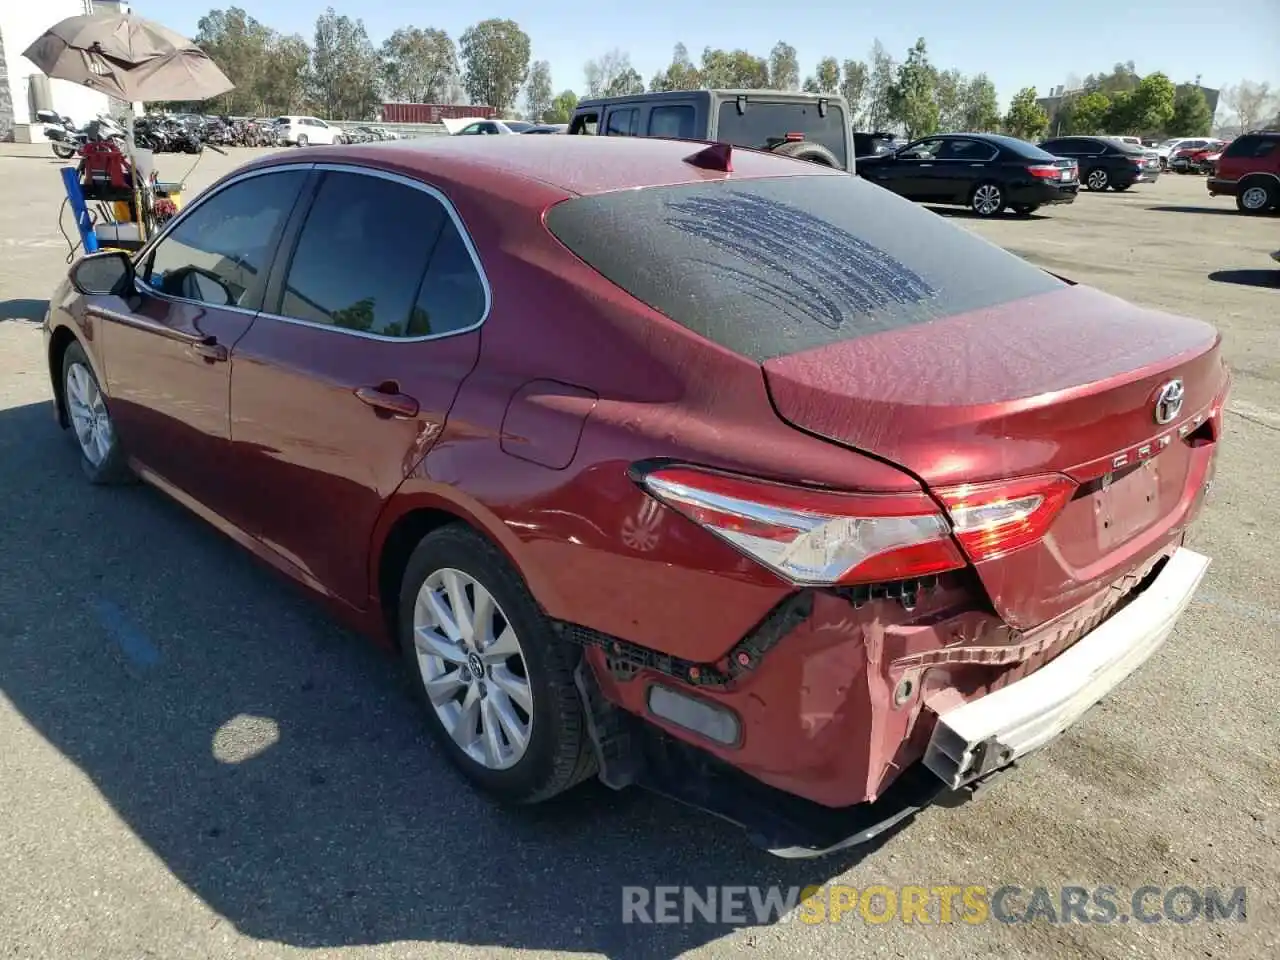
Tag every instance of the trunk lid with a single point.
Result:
(1065, 382)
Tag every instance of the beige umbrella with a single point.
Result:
(128, 58)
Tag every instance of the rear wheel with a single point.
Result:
(62, 151)
(1025, 209)
(302, 140)
(1097, 179)
(494, 678)
(987, 199)
(1256, 196)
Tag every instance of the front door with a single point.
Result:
(344, 383)
(168, 354)
(913, 172)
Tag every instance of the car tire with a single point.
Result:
(101, 454)
(1097, 179)
(517, 730)
(987, 199)
(1025, 209)
(805, 150)
(1256, 196)
(302, 140)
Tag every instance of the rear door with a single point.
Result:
(345, 381)
(622, 120)
(168, 357)
(960, 165)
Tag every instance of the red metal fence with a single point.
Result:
(431, 112)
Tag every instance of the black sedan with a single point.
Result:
(1105, 162)
(982, 171)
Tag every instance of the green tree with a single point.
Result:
(1123, 78)
(417, 64)
(880, 76)
(240, 45)
(734, 69)
(537, 91)
(826, 77)
(853, 87)
(1087, 114)
(1191, 115)
(784, 67)
(608, 72)
(681, 74)
(949, 95)
(981, 108)
(912, 98)
(1151, 107)
(285, 78)
(344, 68)
(562, 107)
(1026, 118)
(495, 54)
(1120, 116)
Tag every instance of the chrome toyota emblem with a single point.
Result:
(1169, 401)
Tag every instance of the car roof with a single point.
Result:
(575, 165)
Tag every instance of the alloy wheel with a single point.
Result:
(89, 416)
(1255, 198)
(987, 199)
(1098, 180)
(473, 668)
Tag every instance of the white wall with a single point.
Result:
(21, 22)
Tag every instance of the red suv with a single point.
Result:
(1249, 170)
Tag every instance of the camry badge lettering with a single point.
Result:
(1169, 401)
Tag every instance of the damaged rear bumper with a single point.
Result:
(972, 739)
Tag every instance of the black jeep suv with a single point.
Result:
(812, 127)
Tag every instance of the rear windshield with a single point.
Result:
(773, 266)
(1022, 148)
(763, 125)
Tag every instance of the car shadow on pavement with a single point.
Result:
(1220, 211)
(23, 309)
(964, 213)
(277, 764)
(1248, 278)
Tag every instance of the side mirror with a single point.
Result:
(102, 274)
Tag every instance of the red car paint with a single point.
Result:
(527, 428)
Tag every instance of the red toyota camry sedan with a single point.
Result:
(707, 470)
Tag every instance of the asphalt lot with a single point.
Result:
(195, 763)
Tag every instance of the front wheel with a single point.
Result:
(101, 455)
(495, 680)
(302, 140)
(987, 199)
(1097, 179)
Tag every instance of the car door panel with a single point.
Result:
(168, 354)
(344, 384)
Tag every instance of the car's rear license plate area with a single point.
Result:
(1126, 502)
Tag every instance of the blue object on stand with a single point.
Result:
(84, 223)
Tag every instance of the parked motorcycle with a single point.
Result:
(66, 138)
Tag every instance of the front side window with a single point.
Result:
(586, 124)
(366, 261)
(924, 150)
(971, 150)
(219, 253)
(622, 123)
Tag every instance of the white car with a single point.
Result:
(303, 131)
(1170, 147)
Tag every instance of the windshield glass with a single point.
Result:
(762, 126)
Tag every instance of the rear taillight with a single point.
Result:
(992, 519)
(1045, 171)
(812, 536)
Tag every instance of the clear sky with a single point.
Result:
(1017, 43)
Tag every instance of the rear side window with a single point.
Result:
(362, 255)
(1251, 146)
(774, 266)
(675, 121)
(762, 126)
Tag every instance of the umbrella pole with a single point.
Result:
(133, 177)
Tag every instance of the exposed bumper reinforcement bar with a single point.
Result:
(975, 738)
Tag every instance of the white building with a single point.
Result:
(23, 88)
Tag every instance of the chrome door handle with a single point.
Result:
(387, 398)
(211, 350)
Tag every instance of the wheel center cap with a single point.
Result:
(475, 665)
